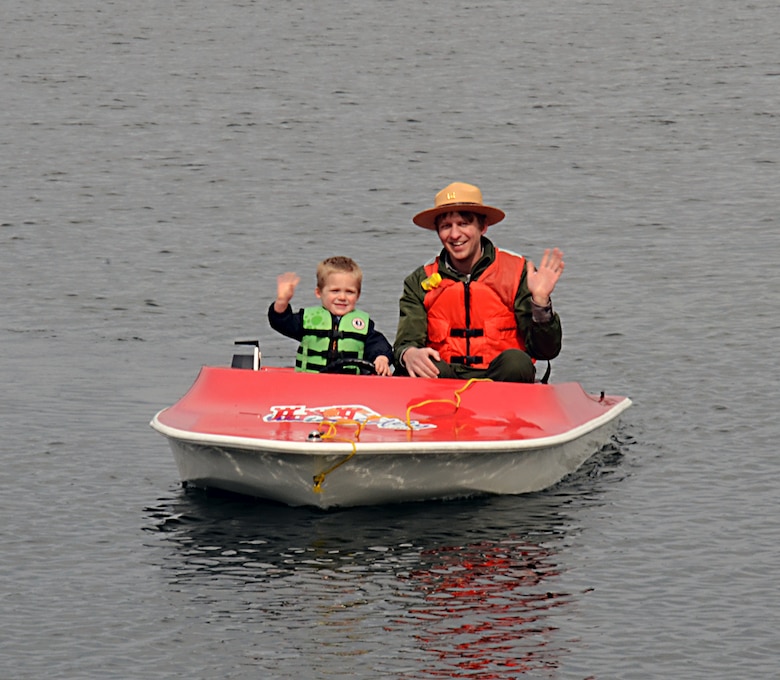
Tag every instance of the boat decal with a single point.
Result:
(301, 413)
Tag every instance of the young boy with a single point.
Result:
(335, 330)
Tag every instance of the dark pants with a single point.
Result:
(512, 365)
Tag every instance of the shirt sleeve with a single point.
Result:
(540, 326)
(287, 323)
(412, 317)
(377, 344)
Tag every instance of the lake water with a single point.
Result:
(163, 162)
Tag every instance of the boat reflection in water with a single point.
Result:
(486, 609)
(468, 588)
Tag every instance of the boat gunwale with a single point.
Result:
(410, 447)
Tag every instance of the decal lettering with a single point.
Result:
(301, 413)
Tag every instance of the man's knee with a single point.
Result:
(512, 365)
(445, 370)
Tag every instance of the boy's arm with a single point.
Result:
(378, 350)
(287, 323)
(377, 344)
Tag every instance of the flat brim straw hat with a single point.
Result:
(458, 197)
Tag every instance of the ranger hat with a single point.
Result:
(458, 197)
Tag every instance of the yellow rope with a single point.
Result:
(455, 402)
(332, 428)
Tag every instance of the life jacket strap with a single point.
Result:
(466, 360)
(467, 332)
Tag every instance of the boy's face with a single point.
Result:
(340, 293)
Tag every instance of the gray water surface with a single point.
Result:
(163, 162)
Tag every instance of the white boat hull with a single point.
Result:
(339, 440)
(372, 477)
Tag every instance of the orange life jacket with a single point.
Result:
(472, 323)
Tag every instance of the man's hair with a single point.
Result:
(467, 215)
(338, 264)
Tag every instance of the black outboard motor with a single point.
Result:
(247, 360)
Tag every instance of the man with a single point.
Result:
(476, 311)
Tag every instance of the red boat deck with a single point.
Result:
(282, 405)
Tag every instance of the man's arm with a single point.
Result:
(539, 326)
(412, 319)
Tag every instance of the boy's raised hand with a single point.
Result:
(285, 289)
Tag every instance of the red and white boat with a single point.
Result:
(330, 440)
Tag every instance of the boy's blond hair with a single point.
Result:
(338, 263)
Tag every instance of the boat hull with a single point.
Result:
(280, 435)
